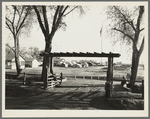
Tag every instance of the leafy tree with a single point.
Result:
(34, 52)
(23, 51)
(18, 21)
(50, 19)
(7, 49)
(127, 24)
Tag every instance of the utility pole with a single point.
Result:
(101, 49)
(101, 41)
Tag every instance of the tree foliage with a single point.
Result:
(18, 19)
(124, 22)
(51, 18)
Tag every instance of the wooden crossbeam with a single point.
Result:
(96, 53)
(75, 53)
(81, 54)
(89, 53)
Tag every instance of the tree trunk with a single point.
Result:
(134, 68)
(45, 71)
(16, 42)
(46, 62)
(135, 60)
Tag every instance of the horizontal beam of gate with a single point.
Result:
(81, 54)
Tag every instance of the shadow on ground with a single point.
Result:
(71, 95)
(25, 97)
(100, 103)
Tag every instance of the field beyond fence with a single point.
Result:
(85, 73)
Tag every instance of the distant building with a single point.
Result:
(63, 64)
(31, 62)
(24, 61)
(57, 61)
(118, 63)
(10, 60)
(77, 66)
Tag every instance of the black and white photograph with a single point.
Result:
(75, 59)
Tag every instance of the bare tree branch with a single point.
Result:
(142, 47)
(14, 14)
(141, 11)
(142, 29)
(70, 11)
(18, 10)
(65, 9)
(40, 21)
(9, 28)
(130, 23)
(22, 21)
(55, 16)
(59, 17)
(10, 47)
(20, 15)
(60, 10)
(133, 25)
(8, 20)
(45, 19)
(124, 33)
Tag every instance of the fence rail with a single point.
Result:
(84, 77)
(118, 78)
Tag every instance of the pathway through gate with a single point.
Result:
(110, 57)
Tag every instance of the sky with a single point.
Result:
(82, 34)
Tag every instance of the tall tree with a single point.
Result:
(17, 20)
(128, 23)
(50, 19)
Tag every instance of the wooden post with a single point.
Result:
(6, 75)
(107, 76)
(24, 79)
(61, 75)
(142, 89)
(107, 89)
(45, 80)
(51, 65)
(110, 73)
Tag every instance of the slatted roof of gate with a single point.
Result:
(80, 54)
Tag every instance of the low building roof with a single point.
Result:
(29, 59)
(11, 55)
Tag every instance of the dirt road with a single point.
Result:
(76, 94)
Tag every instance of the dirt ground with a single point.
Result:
(72, 94)
(79, 94)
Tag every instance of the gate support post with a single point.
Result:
(51, 65)
(142, 89)
(110, 73)
(45, 80)
(24, 79)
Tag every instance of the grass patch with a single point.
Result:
(126, 104)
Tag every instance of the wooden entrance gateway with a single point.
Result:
(110, 57)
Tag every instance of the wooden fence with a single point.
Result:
(25, 76)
